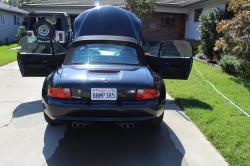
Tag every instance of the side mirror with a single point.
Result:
(162, 53)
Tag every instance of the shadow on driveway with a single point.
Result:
(105, 143)
(192, 103)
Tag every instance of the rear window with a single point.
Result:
(105, 53)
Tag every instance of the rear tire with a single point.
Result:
(157, 121)
(50, 121)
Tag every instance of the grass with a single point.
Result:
(7, 56)
(226, 127)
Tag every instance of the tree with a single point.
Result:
(8, 2)
(18, 3)
(207, 28)
(141, 8)
(237, 31)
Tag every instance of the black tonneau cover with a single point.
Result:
(107, 20)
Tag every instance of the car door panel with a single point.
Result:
(39, 57)
(175, 63)
(38, 65)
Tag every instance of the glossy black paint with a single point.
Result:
(125, 108)
(107, 20)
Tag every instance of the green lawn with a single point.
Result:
(7, 56)
(226, 127)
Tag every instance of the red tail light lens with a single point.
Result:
(144, 94)
(60, 34)
(29, 33)
(63, 93)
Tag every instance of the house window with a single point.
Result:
(197, 13)
(16, 20)
(2, 18)
(168, 20)
(229, 14)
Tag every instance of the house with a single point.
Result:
(11, 19)
(172, 19)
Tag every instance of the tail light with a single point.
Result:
(144, 94)
(63, 93)
(29, 33)
(60, 34)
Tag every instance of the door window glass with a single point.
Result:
(154, 50)
(32, 45)
(176, 48)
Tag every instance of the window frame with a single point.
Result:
(17, 18)
(168, 25)
(2, 18)
(196, 18)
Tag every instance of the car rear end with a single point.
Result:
(118, 99)
(104, 80)
(60, 21)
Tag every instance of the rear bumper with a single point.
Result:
(70, 110)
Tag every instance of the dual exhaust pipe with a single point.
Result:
(77, 125)
(123, 125)
(128, 125)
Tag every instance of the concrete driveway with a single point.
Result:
(26, 139)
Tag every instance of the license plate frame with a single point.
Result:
(100, 94)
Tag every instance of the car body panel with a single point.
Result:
(107, 20)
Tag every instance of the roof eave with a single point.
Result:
(13, 10)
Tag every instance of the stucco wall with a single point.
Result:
(191, 26)
(9, 30)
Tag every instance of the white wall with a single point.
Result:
(191, 26)
(9, 30)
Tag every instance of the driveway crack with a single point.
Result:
(18, 107)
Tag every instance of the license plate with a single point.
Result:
(103, 94)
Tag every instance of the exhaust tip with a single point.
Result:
(74, 125)
(131, 125)
(125, 126)
(80, 125)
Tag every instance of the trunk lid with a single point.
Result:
(126, 79)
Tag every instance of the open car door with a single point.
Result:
(171, 59)
(38, 57)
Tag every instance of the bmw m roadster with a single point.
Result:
(105, 74)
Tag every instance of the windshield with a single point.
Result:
(105, 53)
(40, 45)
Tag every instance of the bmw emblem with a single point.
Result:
(79, 91)
(104, 79)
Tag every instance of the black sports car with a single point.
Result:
(105, 74)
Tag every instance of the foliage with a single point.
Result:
(8, 2)
(237, 31)
(18, 35)
(200, 56)
(232, 65)
(195, 49)
(6, 55)
(141, 8)
(226, 127)
(207, 28)
(18, 3)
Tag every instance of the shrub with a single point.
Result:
(237, 31)
(200, 56)
(232, 65)
(19, 35)
(207, 28)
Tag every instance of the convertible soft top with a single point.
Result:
(107, 20)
